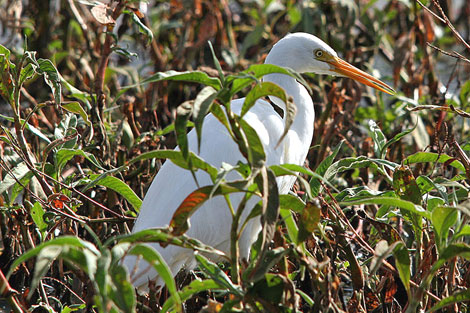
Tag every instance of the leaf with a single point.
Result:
(164, 237)
(322, 168)
(122, 291)
(396, 138)
(403, 264)
(256, 71)
(381, 252)
(217, 64)
(202, 106)
(216, 274)
(266, 260)
(270, 288)
(180, 220)
(464, 231)
(118, 186)
(64, 155)
(443, 218)
(156, 260)
(143, 29)
(256, 155)
(37, 214)
(176, 157)
(103, 14)
(457, 297)
(261, 90)
(183, 112)
(431, 157)
(70, 241)
(400, 203)
(51, 77)
(195, 287)
(405, 185)
(76, 108)
(18, 172)
(270, 207)
(77, 256)
(378, 137)
(193, 77)
(308, 222)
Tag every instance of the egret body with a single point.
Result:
(212, 222)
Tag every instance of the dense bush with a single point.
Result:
(378, 220)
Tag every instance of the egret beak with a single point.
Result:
(345, 69)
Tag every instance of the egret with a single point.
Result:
(211, 223)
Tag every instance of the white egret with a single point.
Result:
(212, 222)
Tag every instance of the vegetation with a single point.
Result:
(95, 96)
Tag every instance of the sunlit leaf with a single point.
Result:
(118, 186)
(193, 77)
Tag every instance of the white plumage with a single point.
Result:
(212, 222)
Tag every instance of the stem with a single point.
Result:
(234, 236)
(9, 293)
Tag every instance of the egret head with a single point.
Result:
(305, 53)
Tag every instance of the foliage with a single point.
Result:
(94, 96)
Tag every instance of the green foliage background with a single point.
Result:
(94, 95)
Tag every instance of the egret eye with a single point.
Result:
(318, 53)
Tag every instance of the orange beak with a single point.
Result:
(345, 69)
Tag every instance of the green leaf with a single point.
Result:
(443, 218)
(161, 236)
(37, 214)
(70, 241)
(183, 112)
(217, 64)
(378, 137)
(431, 157)
(464, 231)
(155, 259)
(266, 181)
(256, 155)
(202, 105)
(122, 291)
(270, 288)
(261, 90)
(51, 77)
(403, 264)
(176, 157)
(322, 168)
(396, 138)
(216, 274)
(120, 187)
(64, 155)
(396, 202)
(193, 77)
(256, 71)
(76, 108)
(457, 297)
(191, 290)
(143, 29)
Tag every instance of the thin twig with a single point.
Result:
(453, 54)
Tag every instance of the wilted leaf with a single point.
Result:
(308, 222)
(180, 220)
(103, 14)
